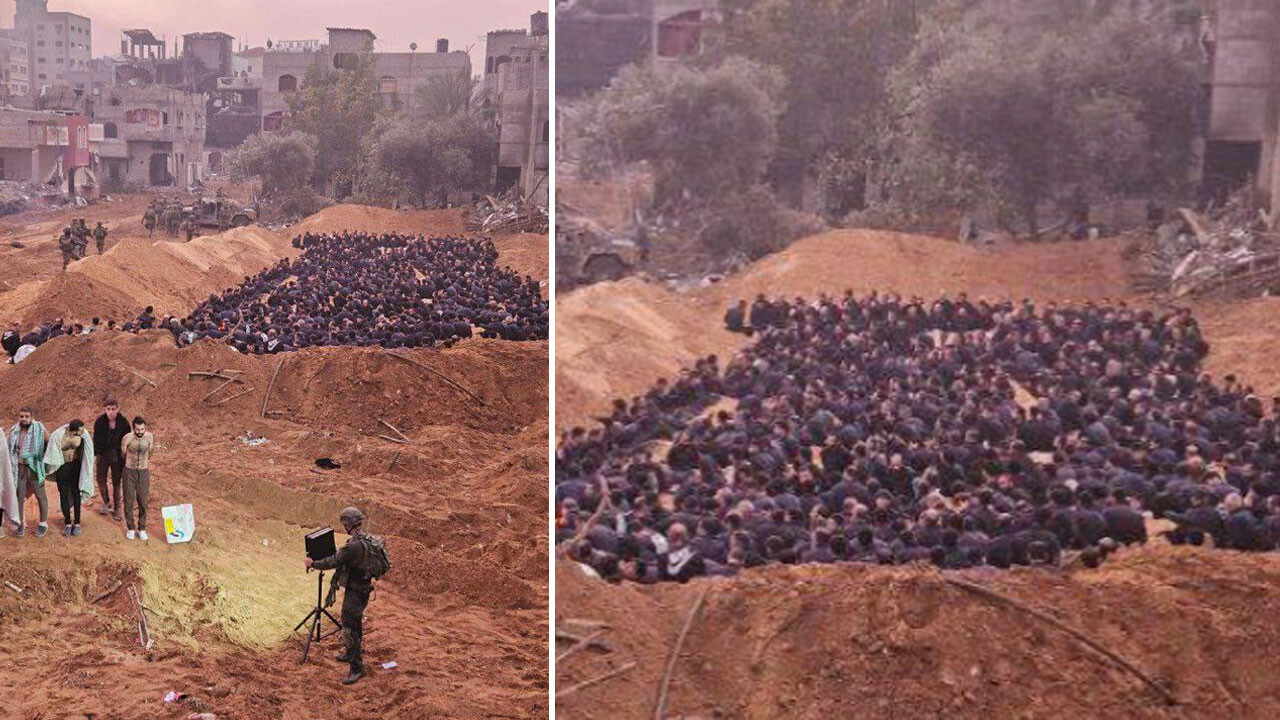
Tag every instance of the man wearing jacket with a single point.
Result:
(109, 431)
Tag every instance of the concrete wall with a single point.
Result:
(1245, 81)
(180, 140)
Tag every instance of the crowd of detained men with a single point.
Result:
(888, 430)
(351, 288)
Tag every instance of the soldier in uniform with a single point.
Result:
(149, 219)
(67, 243)
(173, 219)
(350, 564)
(100, 236)
(81, 232)
(189, 227)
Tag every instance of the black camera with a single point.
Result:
(320, 544)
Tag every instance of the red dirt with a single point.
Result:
(464, 610)
(872, 642)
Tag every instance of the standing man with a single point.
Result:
(67, 244)
(74, 449)
(136, 448)
(26, 450)
(149, 219)
(109, 432)
(358, 563)
(100, 236)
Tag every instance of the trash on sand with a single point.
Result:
(173, 696)
(252, 440)
(328, 463)
(389, 665)
(13, 587)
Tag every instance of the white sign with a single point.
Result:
(179, 523)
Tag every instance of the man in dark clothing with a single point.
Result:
(735, 318)
(108, 431)
(350, 563)
(11, 341)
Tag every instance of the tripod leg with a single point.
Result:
(313, 633)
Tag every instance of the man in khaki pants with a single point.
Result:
(136, 447)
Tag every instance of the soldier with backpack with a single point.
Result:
(361, 560)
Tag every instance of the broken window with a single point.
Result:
(680, 35)
(388, 85)
(109, 130)
(288, 83)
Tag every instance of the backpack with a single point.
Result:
(376, 562)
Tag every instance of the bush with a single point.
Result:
(753, 224)
(284, 162)
(705, 133)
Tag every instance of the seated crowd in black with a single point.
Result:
(362, 289)
(886, 430)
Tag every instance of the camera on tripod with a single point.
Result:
(320, 544)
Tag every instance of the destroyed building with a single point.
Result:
(152, 135)
(597, 38)
(1241, 39)
(522, 100)
(400, 74)
(34, 145)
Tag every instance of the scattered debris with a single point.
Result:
(390, 665)
(1231, 251)
(252, 440)
(270, 385)
(148, 380)
(594, 681)
(328, 463)
(13, 587)
(508, 213)
(173, 696)
(139, 610)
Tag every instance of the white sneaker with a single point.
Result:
(129, 535)
(142, 534)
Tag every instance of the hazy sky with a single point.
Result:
(396, 22)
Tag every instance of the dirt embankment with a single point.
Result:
(871, 642)
(462, 503)
(874, 642)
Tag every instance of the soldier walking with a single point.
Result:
(100, 236)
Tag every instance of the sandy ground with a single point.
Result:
(867, 642)
(464, 610)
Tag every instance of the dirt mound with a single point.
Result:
(171, 276)
(864, 260)
(374, 219)
(812, 642)
(615, 339)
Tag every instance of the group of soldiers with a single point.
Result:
(170, 217)
(74, 241)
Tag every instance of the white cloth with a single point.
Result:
(53, 458)
(8, 488)
(23, 352)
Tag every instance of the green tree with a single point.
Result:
(284, 162)
(339, 108)
(836, 56)
(443, 96)
(703, 132)
(427, 160)
(1013, 114)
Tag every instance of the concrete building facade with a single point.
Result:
(14, 59)
(1241, 39)
(58, 42)
(400, 74)
(523, 101)
(152, 136)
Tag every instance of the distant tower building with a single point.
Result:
(58, 43)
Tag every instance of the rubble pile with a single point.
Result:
(1233, 250)
(15, 197)
(508, 213)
